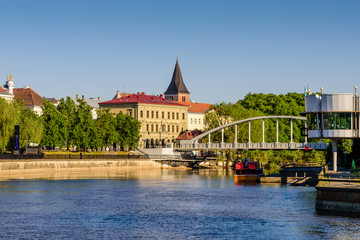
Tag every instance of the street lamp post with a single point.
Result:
(160, 135)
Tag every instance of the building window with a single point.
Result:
(183, 116)
(147, 127)
(168, 115)
(312, 121)
(173, 115)
(337, 120)
(183, 98)
(141, 114)
(163, 115)
(147, 114)
(129, 112)
(177, 116)
(172, 128)
(157, 128)
(168, 128)
(177, 128)
(157, 114)
(152, 127)
(152, 114)
(191, 120)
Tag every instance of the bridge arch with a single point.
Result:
(195, 139)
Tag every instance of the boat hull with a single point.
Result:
(246, 178)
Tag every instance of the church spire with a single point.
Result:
(177, 84)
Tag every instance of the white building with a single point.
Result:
(92, 102)
(7, 90)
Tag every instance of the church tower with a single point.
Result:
(177, 90)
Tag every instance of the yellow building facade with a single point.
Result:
(161, 120)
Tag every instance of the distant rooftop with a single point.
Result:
(142, 98)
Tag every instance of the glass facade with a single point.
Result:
(337, 120)
(312, 121)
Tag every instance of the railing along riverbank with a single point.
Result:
(71, 156)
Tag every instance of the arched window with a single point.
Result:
(183, 116)
(141, 114)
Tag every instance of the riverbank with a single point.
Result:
(70, 168)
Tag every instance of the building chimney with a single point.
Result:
(161, 96)
(138, 93)
(143, 93)
(118, 94)
(77, 96)
(83, 97)
(99, 98)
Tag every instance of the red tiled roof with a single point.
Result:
(189, 135)
(197, 107)
(30, 97)
(142, 98)
(2, 90)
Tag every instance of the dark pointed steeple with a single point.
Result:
(177, 84)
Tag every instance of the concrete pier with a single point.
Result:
(338, 197)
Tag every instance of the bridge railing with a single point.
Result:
(318, 146)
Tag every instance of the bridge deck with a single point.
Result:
(250, 146)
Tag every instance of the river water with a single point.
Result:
(163, 204)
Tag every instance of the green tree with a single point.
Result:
(31, 128)
(106, 126)
(9, 116)
(128, 130)
(67, 109)
(51, 133)
(85, 132)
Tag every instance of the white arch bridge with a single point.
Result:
(193, 144)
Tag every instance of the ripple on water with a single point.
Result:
(165, 206)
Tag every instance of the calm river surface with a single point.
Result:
(163, 204)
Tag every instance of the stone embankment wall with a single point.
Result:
(76, 163)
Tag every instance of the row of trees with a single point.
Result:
(66, 125)
(71, 124)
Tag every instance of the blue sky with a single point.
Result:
(226, 49)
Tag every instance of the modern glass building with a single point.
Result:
(332, 116)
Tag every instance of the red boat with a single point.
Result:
(247, 172)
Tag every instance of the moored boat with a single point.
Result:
(247, 172)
